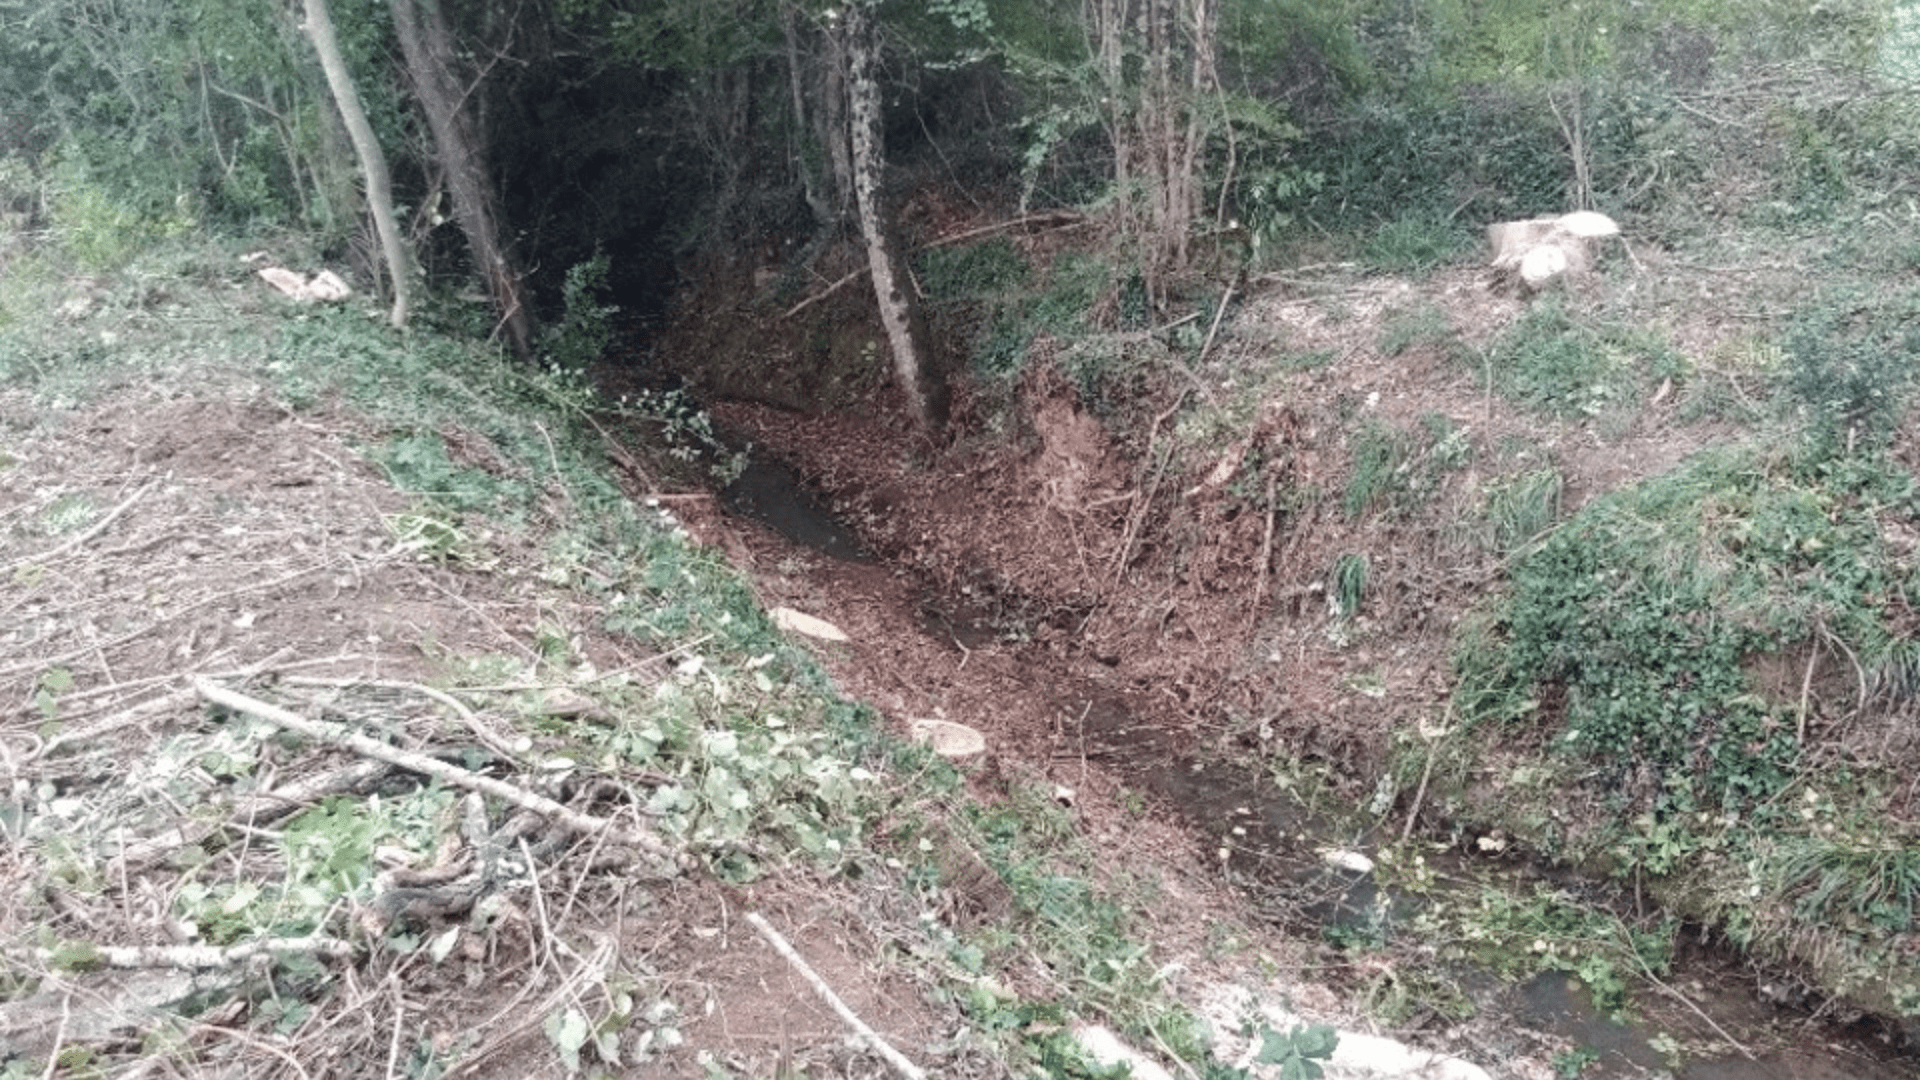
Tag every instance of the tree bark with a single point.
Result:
(913, 358)
(1155, 114)
(428, 47)
(373, 161)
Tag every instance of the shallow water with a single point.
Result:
(1270, 846)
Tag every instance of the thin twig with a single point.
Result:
(480, 731)
(241, 1035)
(59, 1037)
(898, 1060)
(42, 663)
(1688, 1002)
(192, 956)
(830, 290)
(97, 528)
(1806, 689)
(1139, 514)
(1059, 218)
(565, 816)
(1266, 554)
(1213, 331)
(1420, 794)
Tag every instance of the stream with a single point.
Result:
(1272, 848)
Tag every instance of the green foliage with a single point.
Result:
(1414, 242)
(977, 295)
(1569, 1064)
(1521, 507)
(585, 327)
(1349, 584)
(1401, 469)
(1849, 367)
(1420, 326)
(1845, 881)
(148, 117)
(1628, 630)
(1567, 365)
(1526, 932)
(1300, 1052)
(418, 462)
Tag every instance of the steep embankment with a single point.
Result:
(1290, 541)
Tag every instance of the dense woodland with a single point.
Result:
(658, 134)
(1618, 579)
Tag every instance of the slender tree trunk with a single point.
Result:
(373, 161)
(808, 153)
(1155, 113)
(899, 311)
(428, 47)
(833, 125)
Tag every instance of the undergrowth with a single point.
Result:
(739, 752)
(1626, 648)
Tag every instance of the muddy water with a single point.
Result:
(1273, 847)
(1267, 844)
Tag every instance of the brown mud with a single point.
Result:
(1144, 631)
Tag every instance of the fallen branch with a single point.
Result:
(496, 743)
(1139, 515)
(87, 955)
(249, 811)
(567, 817)
(1059, 219)
(1266, 553)
(42, 663)
(97, 528)
(830, 290)
(894, 1057)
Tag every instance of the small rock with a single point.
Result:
(1347, 860)
(795, 622)
(1107, 1051)
(952, 741)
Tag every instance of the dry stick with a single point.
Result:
(1063, 218)
(894, 1057)
(480, 731)
(831, 289)
(59, 1037)
(1266, 554)
(242, 1036)
(97, 528)
(250, 811)
(1139, 513)
(42, 663)
(194, 956)
(126, 717)
(1688, 1002)
(1806, 689)
(533, 1017)
(1213, 331)
(1426, 771)
(399, 1024)
(1420, 794)
(439, 770)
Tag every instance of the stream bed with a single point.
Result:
(1274, 848)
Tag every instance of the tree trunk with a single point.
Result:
(373, 161)
(806, 155)
(899, 311)
(1155, 114)
(428, 47)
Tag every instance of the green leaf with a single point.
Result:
(443, 945)
(568, 1032)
